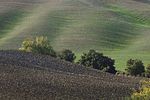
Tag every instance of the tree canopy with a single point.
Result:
(39, 45)
(98, 61)
(135, 67)
(67, 55)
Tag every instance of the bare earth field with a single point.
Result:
(27, 76)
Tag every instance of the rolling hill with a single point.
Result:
(118, 28)
(27, 76)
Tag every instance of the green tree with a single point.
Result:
(98, 61)
(39, 45)
(67, 55)
(135, 67)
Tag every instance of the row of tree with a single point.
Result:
(92, 58)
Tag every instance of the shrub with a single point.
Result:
(67, 55)
(143, 93)
(148, 71)
(39, 45)
(27, 45)
(97, 61)
(135, 67)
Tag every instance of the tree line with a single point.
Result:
(92, 58)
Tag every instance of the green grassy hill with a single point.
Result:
(118, 28)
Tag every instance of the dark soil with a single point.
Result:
(27, 76)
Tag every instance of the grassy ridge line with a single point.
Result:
(106, 38)
(86, 28)
(139, 47)
(141, 42)
(129, 16)
(30, 21)
(7, 23)
(125, 29)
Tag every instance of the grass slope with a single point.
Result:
(118, 28)
(38, 77)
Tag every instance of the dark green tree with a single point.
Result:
(67, 55)
(135, 67)
(39, 45)
(98, 61)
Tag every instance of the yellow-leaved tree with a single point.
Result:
(143, 93)
(39, 45)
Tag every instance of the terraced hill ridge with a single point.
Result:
(27, 76)
(118, 28)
